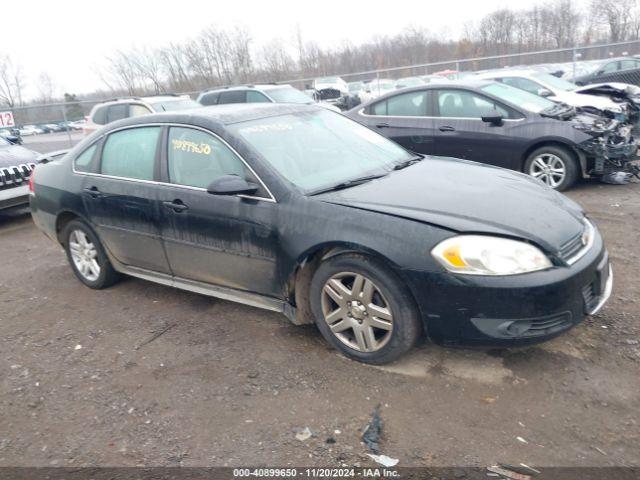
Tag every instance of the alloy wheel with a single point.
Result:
(549, 168)
(84, 255)
(357, 312)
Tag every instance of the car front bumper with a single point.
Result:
(512, 310)
(14, 197)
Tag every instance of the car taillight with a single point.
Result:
(31, 178)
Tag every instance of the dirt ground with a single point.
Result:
(83, 381)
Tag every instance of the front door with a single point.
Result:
(223, 240)
(121, 199)
(461, 133)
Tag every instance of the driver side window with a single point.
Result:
(197, 158)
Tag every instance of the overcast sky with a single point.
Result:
(69, 39)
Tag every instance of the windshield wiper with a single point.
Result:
(407, 163)
(348, 183)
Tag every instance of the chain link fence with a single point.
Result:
(567, 62)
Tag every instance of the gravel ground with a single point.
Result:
(84, 381)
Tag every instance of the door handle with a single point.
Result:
(92, 191)
(177, 206)
(382, 125)
(446, 128)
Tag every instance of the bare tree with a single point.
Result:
(11, 82)
(46, 88)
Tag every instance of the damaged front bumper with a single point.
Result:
(612, 147)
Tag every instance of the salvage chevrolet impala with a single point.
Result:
(300, 210)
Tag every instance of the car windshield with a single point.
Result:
(288, 95)
(520, 98)
(319, 149)
(178, 104)
(555, 82)
(355, 87)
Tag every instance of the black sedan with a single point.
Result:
(303, 211)
(621, 69)
(493, 123)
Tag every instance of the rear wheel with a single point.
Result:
(363, 309)
(555, 166)
(87, 257)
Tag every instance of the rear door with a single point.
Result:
(224, 240)
(461, 133)
(403, 118)
(119, 194)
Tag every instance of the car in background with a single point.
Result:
(119, 108)
(16, 165)
(409, 82)
(268, 93)
(621, 69)
(376, 88)
(559, 90)
(28, 130)
(493, 123)
(302, 211)
(330, 89)
(77, 124)
(355, 87)
(12, 135)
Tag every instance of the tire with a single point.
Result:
(355, 328)
(548, 156)
(83, 249)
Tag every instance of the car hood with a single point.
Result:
(12, 155)
(585, 100)
(469, 197)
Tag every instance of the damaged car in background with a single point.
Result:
(16, 165)
(494, 123)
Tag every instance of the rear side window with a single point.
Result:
(256, 97)
(465, 104)
(85, 162)
(209, 99)
(236, 96)
(131, 153)
(197, 158)
(100, 116)
(412, 104)
(523, 84)
(117, 112)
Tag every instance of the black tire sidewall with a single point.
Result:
(103, 261)
(407, 326)
(570, 162)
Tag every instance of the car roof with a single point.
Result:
(264, 86)
(218, 115)
(525, 72)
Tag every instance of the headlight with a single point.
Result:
(484, 255)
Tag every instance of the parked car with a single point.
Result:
(376, 88)
(16, 165)
(300, 210)
(77, 124)
(12, 135)
(494, 123)
(28, 130)
(330, 89)
(110, 111)
(621, 69)
(560, 90)
(270, 93)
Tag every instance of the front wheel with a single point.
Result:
(363, 309)
(554, 166)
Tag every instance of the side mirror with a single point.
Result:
(494, 117)
(14, 139)
(544, 92)
(231, 185)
